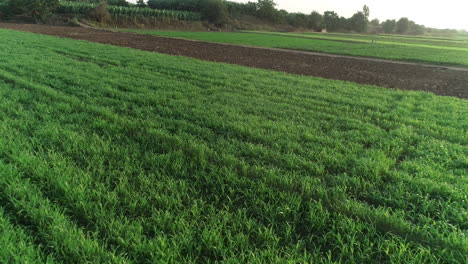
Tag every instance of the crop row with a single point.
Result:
(117, 12)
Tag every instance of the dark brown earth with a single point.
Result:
(439, 80)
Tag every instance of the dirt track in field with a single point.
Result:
(407, 76)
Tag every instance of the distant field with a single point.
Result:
(114, 155)
(380, 39)
(457, 38)
(425, 53)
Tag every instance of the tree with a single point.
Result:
(39, 9)
(358, 22)
(298, 20)
(389, 26)
(282, 17)
(214, 11)
(315, 19)
(402, 25)
(366, 11)
(374, 27)
(152, 4)
(141, 3)
(375, 22)
(236, 9)
(344, 24)
(4, 11)
(266, 9)
(118, 3)
(331, 20)
(415, 29)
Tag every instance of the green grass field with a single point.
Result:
(114, 155)
(404, 51)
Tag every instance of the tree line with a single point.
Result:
(221, 12)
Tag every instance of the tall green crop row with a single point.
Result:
(76, 8)
(118, 12)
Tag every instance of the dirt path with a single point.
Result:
(408, 76)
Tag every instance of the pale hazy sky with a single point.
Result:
(432, 13)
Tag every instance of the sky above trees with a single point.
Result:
(431, 13)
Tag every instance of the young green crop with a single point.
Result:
(407, 52)
(114, 155)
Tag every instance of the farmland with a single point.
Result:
(115, 155)
(449, 81)
(404, 51)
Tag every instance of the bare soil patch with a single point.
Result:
(407, 76)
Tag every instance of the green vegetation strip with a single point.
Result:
(114, 155)
(120, 12)
(378, 39)
(425, 53)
